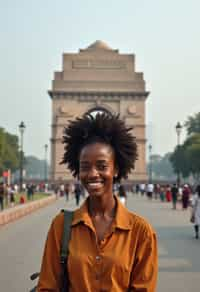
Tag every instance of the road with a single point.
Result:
(22, 242)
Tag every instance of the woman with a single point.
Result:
(185, 197)
(111, 249)
(168, 194)
(196, 211)
(122, 194)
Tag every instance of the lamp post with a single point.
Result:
(178, 132)
(150, 163)
(45, 162)
(21, 130)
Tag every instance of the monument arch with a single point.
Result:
(100, 109)
(97, 78)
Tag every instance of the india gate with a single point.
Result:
(97, 78)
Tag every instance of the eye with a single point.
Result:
(84, 167)
(102, 166)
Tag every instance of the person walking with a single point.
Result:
(111, 248)
(2, 195)
(12, 196)
(168, 194)
(185, 197)
(196, 211)
(77, 192)
(150, 189)
(122, 194)
(162, 193)
(142, 188)
(67, 191)
(174, 192)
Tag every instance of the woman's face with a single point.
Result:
(97, 169)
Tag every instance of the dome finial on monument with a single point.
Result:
(99, 45)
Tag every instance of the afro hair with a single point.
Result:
(105, 128)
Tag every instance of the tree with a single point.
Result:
(179, 160)
(193, 124)
(9, 151)
(186, 158)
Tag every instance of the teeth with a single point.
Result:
(94, 184)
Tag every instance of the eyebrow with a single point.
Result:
(98, 161)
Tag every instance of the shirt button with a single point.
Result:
(98, 258)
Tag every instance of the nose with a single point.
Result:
(92, 173)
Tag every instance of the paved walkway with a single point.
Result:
(22, 242)
(179, 252)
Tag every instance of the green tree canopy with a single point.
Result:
(9, 151)
(186, 158)
(193, 124)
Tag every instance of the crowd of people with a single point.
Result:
(167, 193)
(67, 190)
(9, 193)
(186, 195)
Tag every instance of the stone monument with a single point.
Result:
(97, 78)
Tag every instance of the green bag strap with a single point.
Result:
(68, 217)
(64, 252)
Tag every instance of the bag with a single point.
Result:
(64, 252)
(192, 218)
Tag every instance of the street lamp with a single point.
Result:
(21, 130)
(150, 163)
(45, 162)
(178, 132)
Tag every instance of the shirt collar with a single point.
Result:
(122, 217)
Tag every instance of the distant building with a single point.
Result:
(97, 78)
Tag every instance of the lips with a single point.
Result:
(95, 184)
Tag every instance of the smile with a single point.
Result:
(95, 184)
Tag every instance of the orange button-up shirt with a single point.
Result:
(126, 260)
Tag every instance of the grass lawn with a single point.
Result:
(36, 196)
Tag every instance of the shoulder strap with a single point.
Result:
(68, 216)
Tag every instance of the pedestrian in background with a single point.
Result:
(137, 188)
(30, 191)
(12, 196)
(196, 211)
(185, 197)
(67, 192)
(2, 195)
(150, 189)
(122, 194)
(174, 192)
(77, 192)
(111, 248)
(162, 193)
(168, 194)
(142, 188)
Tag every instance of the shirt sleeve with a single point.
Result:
(49, 279)
(145, 268)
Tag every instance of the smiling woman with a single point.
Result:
(111, 249)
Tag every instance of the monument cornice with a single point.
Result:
(94, 95)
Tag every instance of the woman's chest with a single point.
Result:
(114, 254)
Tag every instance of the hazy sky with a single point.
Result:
(163, 34)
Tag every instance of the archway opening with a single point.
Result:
(96, 110)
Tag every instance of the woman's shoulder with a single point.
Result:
(140, 225)
(57, 224)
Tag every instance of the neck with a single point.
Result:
(101, 206)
